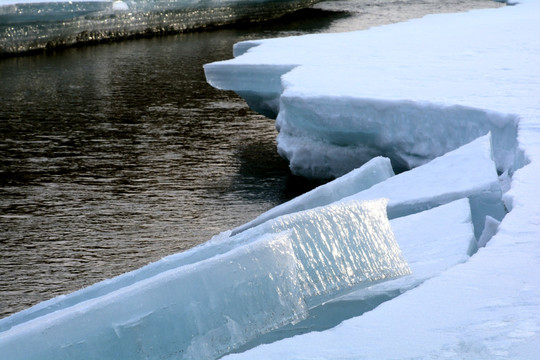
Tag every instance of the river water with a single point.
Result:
(116, 155)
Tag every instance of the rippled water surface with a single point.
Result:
(114, 156)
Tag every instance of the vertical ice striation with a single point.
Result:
(431, 241)
(38, 25)
(341, 247)
(269, 276)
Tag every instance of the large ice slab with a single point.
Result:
(468, 171)
(333, 111)
(39, 25)
(334, 245)
(272, 277)
(371, 173)
(431, 241)
(193, 312)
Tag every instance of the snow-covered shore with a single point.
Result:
(417, 88)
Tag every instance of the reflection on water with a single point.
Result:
(114, 156)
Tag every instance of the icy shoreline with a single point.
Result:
(34, 26)
(485, 307)
(483, 61)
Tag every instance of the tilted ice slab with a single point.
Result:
(39, 25)
(431, 241)
(218, 245)
(278, 272)
(369, 174)
(339, 246)
(192, 312)
(468, 171)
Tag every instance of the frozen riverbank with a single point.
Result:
(408, 91)
(32, 26)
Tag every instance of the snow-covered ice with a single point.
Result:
(334, 114)
(467, 171)
(271, 277)
(420, 87)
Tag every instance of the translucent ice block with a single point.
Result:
(270, 276)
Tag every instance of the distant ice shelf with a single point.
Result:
(38, 25)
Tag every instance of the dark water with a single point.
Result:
(114, 156)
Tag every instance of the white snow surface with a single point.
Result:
(484, 61)
(343, 98)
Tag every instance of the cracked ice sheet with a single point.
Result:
(434, 86)
(489, 307)
(433, 59)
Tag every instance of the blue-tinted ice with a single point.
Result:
(270, 276)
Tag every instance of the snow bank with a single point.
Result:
(479, 69)
(334, 114)
(270, 277)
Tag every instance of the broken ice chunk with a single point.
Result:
(369, 174)
(468, 171)
(431, 241)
